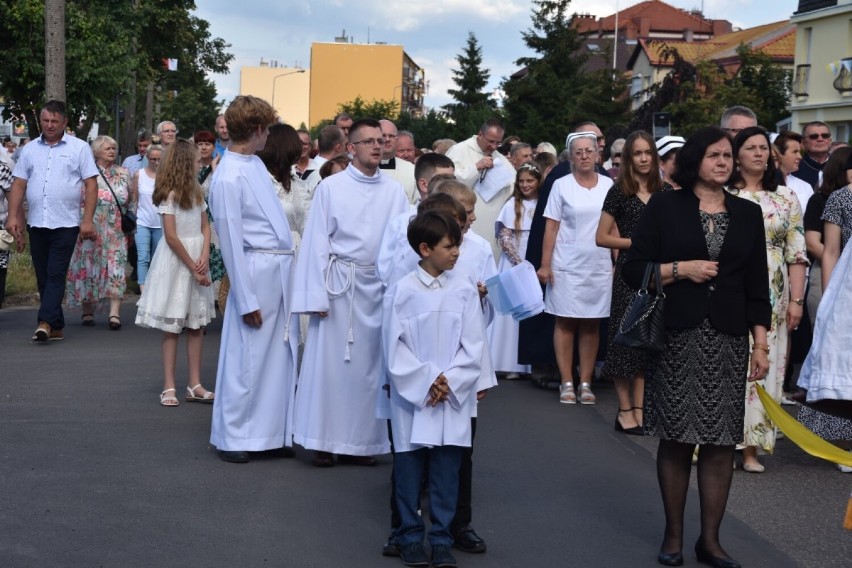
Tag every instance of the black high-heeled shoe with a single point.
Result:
(704, 557)
(670, 558)
(634, 431)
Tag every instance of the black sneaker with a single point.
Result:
(466, 540)
(414, 555)
(441, 557)
(391, 547)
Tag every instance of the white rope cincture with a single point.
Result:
(287, 252)
(349, 284)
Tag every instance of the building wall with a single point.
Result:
(340, 72)
(823, 40)
(286, 89)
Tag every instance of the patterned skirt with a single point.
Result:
(695, 392)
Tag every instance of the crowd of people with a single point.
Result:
(355, 267)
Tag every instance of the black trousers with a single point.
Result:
(51, 250)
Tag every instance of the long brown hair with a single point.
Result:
(177, 175)
(533, 169)
(627, 174)
(834, 172)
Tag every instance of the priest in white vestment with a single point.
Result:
(482, 168)
(256, 376)
(336, 281)
(397, 168)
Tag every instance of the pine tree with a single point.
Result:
(473, 105)
(541, 104)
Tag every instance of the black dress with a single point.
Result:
(623, 361)
(695, 393)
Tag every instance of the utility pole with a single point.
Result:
(54, 50)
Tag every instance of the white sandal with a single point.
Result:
(566, 393)
(168, 399)
(586, 394)
(206, 397)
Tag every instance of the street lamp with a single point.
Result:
(290, 72)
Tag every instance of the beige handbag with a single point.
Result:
(7, 241)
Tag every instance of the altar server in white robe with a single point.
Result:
(337, 283)
(256, 377)
(480, 167)
(433, 342)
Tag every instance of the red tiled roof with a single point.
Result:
(664, 17)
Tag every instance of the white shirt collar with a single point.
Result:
(430, 281)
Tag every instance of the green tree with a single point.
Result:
(473, 105)
(427, 128)
(697, 94)
(542, 104)
(106, 43)
(96, 65)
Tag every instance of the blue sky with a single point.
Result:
(433, 31)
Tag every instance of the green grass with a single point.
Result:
(20, 277)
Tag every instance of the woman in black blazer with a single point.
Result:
(711, 249)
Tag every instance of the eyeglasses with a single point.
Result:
(823, 135)
(370, 142)
(585, 152)
(169, 131)
(153, 160)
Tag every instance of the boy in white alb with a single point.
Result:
(432, 340)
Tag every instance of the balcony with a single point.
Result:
(800, 81)
(843, 81)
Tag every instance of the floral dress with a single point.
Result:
(785, 245)
(217, 265)
(96, 273)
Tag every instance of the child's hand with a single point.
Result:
(253, 319)
(202, 265)
(202, 279)
(483, 290)
(481, 394)
(439, 390)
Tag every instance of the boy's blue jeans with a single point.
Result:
(443, 469)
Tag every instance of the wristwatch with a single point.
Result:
(798, 301)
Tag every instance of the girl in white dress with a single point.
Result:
(512, 230)
(177, 294)
(579, 281)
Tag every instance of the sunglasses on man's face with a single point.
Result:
(823, 135)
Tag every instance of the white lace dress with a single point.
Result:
(172, 300)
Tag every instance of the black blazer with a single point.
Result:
(670, 229)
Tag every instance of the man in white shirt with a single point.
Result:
(53, 171)
(519, 153)
(400, 170)
(331, 143)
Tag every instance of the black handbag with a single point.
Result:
(643, 326)
(128, 218)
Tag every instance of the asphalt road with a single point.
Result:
(96, 473)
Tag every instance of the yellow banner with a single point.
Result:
(801, 436)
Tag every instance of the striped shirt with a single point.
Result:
(54, 177)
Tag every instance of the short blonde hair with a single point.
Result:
(245, 114)
(100, 141)
(458, 191)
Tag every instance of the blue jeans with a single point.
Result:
(51, 251)
(443, 470)
(146, 243)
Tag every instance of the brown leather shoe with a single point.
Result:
(323, 459)
(42, 332)
(56, 335)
